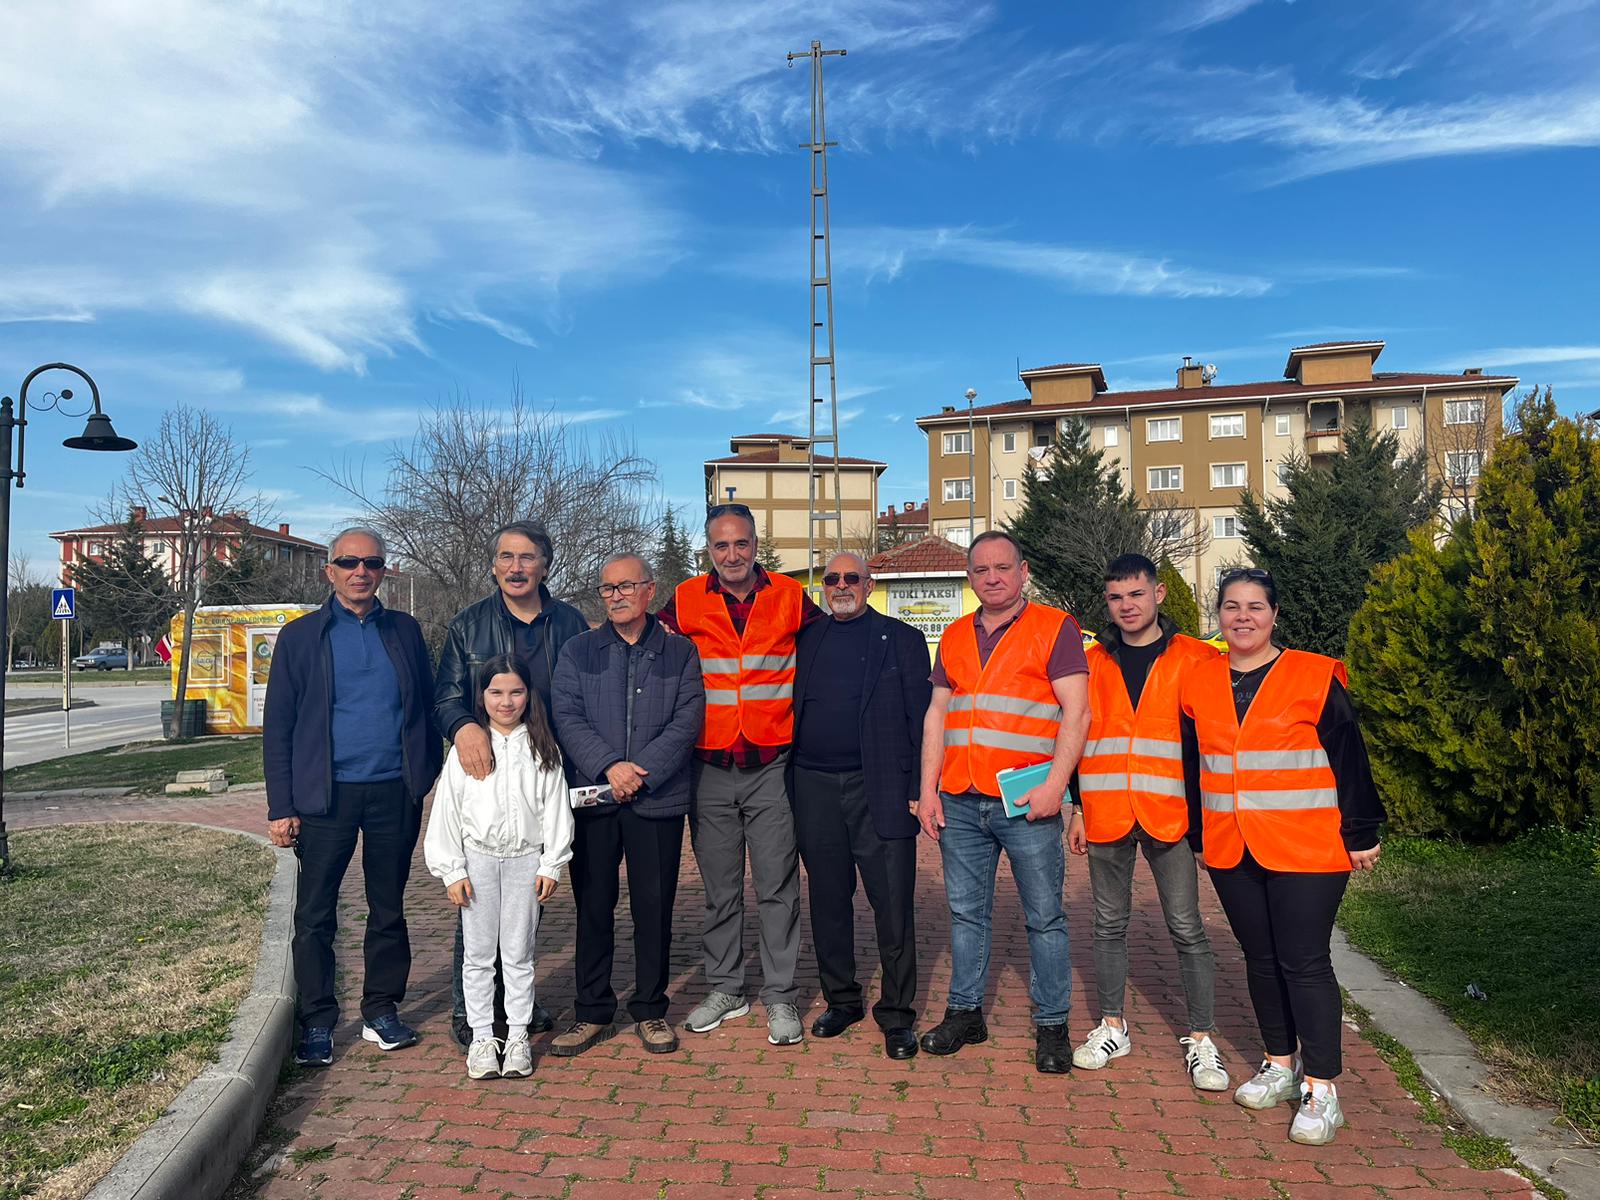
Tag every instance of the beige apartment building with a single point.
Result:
(769, 472)
(1198, 446)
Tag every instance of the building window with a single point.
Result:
(1462, 466)
(1324, 416)
(1227, 425)
(1112, 433)
(1008, 443)
(1042, 437)
(1282, 420)
(1227, 475)
(1399, 418)
(958, 443)
(1224, 527)
(1169, 527)
(1163, 429)
(957, 489)
(1008, 489)
(96, 549)
(1463, 412)
(1166, 479)
(158, 547)
(1283, 474)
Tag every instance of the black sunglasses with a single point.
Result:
(831, 579)
(349, 562)
(1238, 573)
(722, 510)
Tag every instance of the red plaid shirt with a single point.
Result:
(741, 753)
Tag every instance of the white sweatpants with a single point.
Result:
(503, 916)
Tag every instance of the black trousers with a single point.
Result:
(1284, 921)
(653, 848)
(387, 821)
(833, 826)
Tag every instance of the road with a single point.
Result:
(120, 714)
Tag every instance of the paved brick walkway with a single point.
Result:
(730, 1116)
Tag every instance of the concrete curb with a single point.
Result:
(192, 1152)
(59, 793)
(1452, 1068)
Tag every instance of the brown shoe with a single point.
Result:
(579, 1037)
(657, 1036)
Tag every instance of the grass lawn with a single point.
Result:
(147, 766)
(1519, 922)
(94, 678)
(124, 953)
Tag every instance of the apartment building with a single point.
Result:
(1199, 446)
(221, 535)
(769, 472)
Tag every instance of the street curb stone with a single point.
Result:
(1452, 1068)
(192, 1152)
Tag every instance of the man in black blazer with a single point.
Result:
(861, 691)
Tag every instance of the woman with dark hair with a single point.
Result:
(1289, 809)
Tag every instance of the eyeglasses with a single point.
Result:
(1238, 573)
(722, 510)
(506, 558)
(831, 579)
(626, 588)
(349, 562)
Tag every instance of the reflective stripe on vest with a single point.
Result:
(1132, 766)
(1267, 785)
(1003, 713)
(749, 677)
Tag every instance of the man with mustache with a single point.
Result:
(861, 694)
(521, 617)
(628, 704)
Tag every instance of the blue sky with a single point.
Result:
(316, 219)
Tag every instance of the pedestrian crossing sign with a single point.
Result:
(63, 603)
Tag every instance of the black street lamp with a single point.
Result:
(97, 435)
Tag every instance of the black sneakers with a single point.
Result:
(960, 1027)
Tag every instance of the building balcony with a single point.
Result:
(1324, 441)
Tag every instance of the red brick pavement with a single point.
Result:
(730, 1116)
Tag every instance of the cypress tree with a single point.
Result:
(1180, 603)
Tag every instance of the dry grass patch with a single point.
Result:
(124, 953)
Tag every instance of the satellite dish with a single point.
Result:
(1208, 372)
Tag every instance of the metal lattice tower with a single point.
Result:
(822, 345)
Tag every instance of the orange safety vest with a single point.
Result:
(749, 679)
(1268, 785)
(1002, 713)
(1132, 765)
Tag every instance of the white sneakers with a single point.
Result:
(1270, 1086)
(483, 1058)
(518, 1062)
(1103, 1044)
(1318, 1117)
(1204, 1063)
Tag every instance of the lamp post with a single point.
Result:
(972, 471)
(97, 435)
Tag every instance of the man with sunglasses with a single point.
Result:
(350, 752)
(629, 705)
(861, 695)
(744, 621)
(520, 617)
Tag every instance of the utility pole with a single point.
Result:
(822, 346)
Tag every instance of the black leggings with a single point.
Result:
(1284, 921)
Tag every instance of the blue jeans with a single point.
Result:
(976, 830)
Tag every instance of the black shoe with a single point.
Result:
(960, 1027)
(1052, 1051)
(900, 1043)
(541, 1021)
(835, 1021)
(461, 1030)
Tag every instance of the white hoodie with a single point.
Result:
(521, 808)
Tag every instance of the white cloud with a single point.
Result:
(1534, 355)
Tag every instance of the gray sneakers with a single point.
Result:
(1204, 1062)
(1271, 1086)
(1318, 1117)
(714, 1010)
(783, 1025)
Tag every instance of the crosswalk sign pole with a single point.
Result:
(66, 684)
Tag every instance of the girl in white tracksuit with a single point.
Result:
(499, 845)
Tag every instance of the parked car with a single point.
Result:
(102, 660)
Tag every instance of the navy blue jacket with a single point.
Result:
(894, 701)
(593, 712)
(297, 722)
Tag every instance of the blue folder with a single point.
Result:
(1014, 784)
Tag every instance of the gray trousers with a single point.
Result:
(736, 808)
(502, 918)
(1177, 884)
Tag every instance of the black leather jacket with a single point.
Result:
(482, 630)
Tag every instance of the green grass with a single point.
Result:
(124, 953)
(1519, 922)
(94, 678)
(144, 766)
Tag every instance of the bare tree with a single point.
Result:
(21, 580)
(470, 469)
(193, 468)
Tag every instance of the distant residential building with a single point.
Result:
(220, 539)
(908, 523)
(1199, 446)
(768, 473)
